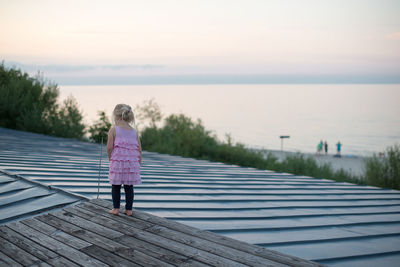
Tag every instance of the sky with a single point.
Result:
(237, 41)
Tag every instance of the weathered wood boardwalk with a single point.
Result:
(87, 235)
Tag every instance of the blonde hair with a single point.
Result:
(123, 112)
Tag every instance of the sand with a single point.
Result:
(353, 164)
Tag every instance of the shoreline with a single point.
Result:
(351, 163)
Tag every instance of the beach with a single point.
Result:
(351, 163)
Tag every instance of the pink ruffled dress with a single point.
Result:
(124, 160)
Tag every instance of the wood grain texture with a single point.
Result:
(6, 261)
(87, 235)
(145, 246)
(61, 262)
(55, 245)
(26, 244)
(17, 253)
(56, 233)
(188, 240)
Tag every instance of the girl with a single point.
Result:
(125, 156)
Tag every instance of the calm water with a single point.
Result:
(365, 118)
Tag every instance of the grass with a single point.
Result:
(182, 136)
(384, 171)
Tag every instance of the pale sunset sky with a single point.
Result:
(90, 41)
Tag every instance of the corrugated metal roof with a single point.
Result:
(21, 198)
(330, 222)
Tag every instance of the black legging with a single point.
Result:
(116, 196)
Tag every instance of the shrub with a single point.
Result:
(66, 121)
(181, 136)
(384, 171)
(99, 130)
(24, 100)
(30, 104)
(305, 165)
(148, 114)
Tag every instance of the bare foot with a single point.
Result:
(128, 212)
(114, 211)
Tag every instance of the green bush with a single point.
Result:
(305, 165)
(99, 130)
(66, 121)
(238, 154)
(148, 114)
(24, 100)
(30, 104)
(181, 136)
(384, 171)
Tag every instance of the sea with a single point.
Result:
(364, 118)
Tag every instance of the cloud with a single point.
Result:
(393, 36)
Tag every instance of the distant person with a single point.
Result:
(326, 148)
(338, 148)
(319, 147)
(125, 156)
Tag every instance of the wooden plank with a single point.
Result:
(26, 244)
(237, 244)
(16, 253)
(41, 264)
(160, 253)
(137, 255)
(82, 233)
(157, 252)
(214, 248)
(6, 261)
(107, 257)
(55, 245)
(211, 247)
(188, 251)
(140, 224)
(134, 256)
(201, 244)
(56, 233)
(61, 262)
(199, 255)
(79, 221)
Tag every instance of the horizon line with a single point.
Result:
(65, 78)
(225, 79)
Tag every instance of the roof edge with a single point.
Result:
(49, 187)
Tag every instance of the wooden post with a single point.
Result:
(283, 137)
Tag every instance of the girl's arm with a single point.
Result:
(140, 148)
(110, 141)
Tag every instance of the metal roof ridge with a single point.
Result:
(49, 187)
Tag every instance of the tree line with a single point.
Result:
(31, 104)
